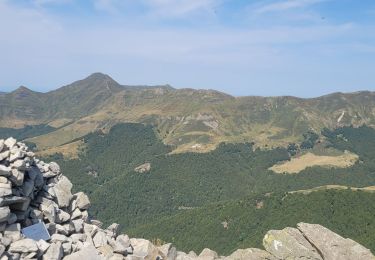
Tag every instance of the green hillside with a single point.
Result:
(105, 170)
(348, 213)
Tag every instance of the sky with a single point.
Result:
(304, 48)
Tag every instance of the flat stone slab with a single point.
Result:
(36, 232)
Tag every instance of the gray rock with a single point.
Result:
(78, 225)
(15, 155)
(63, 192)
(289, 243)
(208, 254)
(28, 187)
(4, 214)
(113, 230)
(23, 246)
(13, 232)
(100, 239)
(331, 245)
(17, 177)
(16, 203)
(19, 165)
(5, 171)
(12, 218)
(42, 246)
(2, 247)
(59, 238)
(62, 216)
(10, 142)
(251, 254)
(76, 214)
(144, 248)
(78, 237)
(3, 180)
(122, 243)
(48, 209)
(4, 155)
(87, 252)
(54, 252)
(106, 251)
(1, 149)
(5, 190)
(67, 248)
(54, 167)
(83, 201)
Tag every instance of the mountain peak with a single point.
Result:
(22, 89)
(99, 76)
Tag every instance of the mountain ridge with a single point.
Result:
(188, 119)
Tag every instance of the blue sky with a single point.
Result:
(304, 48)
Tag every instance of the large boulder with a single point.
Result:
(289, 243)
(87, 252)
(63, 191)
(23, 246)
(250, 254)
(331, 245)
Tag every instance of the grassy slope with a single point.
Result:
(183, 117)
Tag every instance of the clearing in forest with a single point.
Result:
(297, 164)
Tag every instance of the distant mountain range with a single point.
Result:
(187, 119)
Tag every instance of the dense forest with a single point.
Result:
(201, 190)
(226, 226)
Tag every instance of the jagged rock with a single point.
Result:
(54, 252)
(13, 232)
(100, 239)
(23, 246)
(63, 192)
(78, 225)
(28, 187)
(54, 167)
(2, 247)
(88, 252)
(207, 254)
(146, 167)
(5, 171)
(106, 251)
(5, 190)
(76, 214)
(67, 248)
(144, 248)
(4, 214)
(10, 142)
(62, 216)
(122, 244)
(289, 243)
(16, 177)
(251, 254)
(331, 245)
(83, 201)
(42, 245)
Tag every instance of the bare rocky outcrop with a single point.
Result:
(34, 193)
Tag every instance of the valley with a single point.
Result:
(177, 164)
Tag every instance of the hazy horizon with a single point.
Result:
(304, 48)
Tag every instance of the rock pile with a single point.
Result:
(34, 193)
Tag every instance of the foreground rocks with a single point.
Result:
(36, 193)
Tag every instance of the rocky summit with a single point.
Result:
(40, 218)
